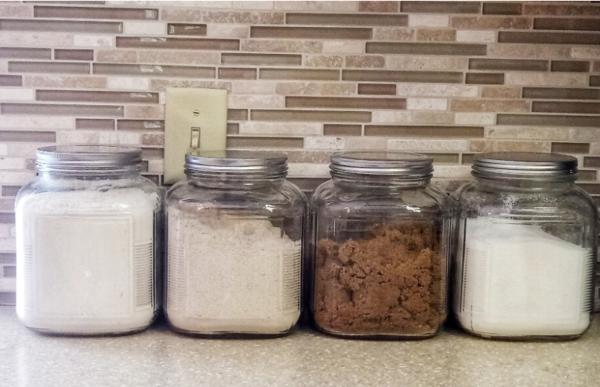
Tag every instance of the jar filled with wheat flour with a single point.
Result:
(526, 249)
(234, 245)
(86, 242)
(382, 236)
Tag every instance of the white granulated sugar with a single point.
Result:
(231, 274)
(85, 260)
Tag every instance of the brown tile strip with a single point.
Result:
(426, 48)
(345, 103)
(94, 124)
(547, 120)
(508, 64)
(8, 298)
(556, 93)
(440, 7)
(65, 54)
(566, 107)
(545, 8)
(233, 128)
(444, 158)
(243, 17)
(548, 37)
(154, 71)
(594, 80)
(423, 131)
(570, 66)
(402, 76)
(86, 26)
(61, 110)
(265, 142)
(342, 130)
(11, 80)
(96, 96)
(591, 162)
(26, 136)
(95, 13)
(291, 74)
(153, 153)
(147, 125)
(376, 89)
(578, 24)
(491, 23)
(237, 73)
(237, 114)
(501, 92)
(7, 218)
(10, 271)
(513, 8)
(8, 258)
(310, 33)
(178, 43)
(340, 19)
(378, 6)
(261, 59)
(488, 105)
(436, 35)
(49, 67)
(592, 189)
(186, 29)
(586, 175)
(570, 147)
(25, 53)
(308, 184)
(311, 115)
(485, 78)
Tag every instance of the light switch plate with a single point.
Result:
(192, 108)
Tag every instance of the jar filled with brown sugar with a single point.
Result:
(381, 247)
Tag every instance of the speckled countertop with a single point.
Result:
(159, 357)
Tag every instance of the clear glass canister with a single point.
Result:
(526, 249)
(382, 236)
(234, 229)
(86, 242)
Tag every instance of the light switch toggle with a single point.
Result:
(195, 139)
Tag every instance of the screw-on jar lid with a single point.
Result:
(92, 159)
(399, 165)
(236, 163)
(525, 165)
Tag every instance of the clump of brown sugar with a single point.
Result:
(389, 282)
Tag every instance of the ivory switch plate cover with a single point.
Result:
(192, 108)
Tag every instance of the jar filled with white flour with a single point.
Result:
(526, 249)
(86, 242)
(234, 239)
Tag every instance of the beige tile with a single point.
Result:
(416, 20)
(94, 124)
(153, 139)
(28, 109)
(188, 4)
(436, 90)
(426, 104)
(48, 67)
(179, 56)
(526, 132)
(156, 166)
(343, 47)
(181, 15)
(546, 79)
(256, 101)
(64, 81)
(144, 28)
(509, 146)
(243, 17)
(324, 142)
(491, 23)
(315, 88)
(270, 45)
(36, 39)
(462, 172)
(323, 60)
(187, 29)
(253, 87)
(261, 59)
(162, 84)
(93, 41)
(15, 10)
(585, 52)
(252, 5)
(476, 36)
(434, 118)
(127, 83)
(416, 145)
(483, 105)
(282, 128)
(178, 43)
(145, 111)
(317, 6)
(394, 33)
(15, 94)
(7, 122)
(363, 143)
(119, 138)
(118, 56)
(227, 31)
(436, 35)
(529, 51)
(365, 61)
(77, 137)
(500, 92)
(412, 62)
(583, 134)
(475, 118)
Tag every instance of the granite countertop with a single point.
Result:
(159, 357)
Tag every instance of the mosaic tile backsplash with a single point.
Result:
(304, 78)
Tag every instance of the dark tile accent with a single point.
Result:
(547, 120)
(378, 6)
(9, 191)
(426, 48)
(502, 8)
(146, 125)
(376, 89)
(337, 19)
(8, 298)
(186, 29)
(592, 189)
(578, 24)
(300, 74)
(10, 271)
(61, 110)
(11, 80)
(547, 8)
(233, 128)
(440, 6)
(237, 114)
(26, 136)
(586, 175)
(96, 96)
(547, 37)
(310, 33)
(566, 107)
(7, 218)
(178, 43)
(557, 93)
(265, 142)
(508, 64)
(591, 162)
(485, 78)
(345, 103)
(595, 80)
(60, 54)
(25, 53)
(154, 71)
(402, 76)
(311, 115)
(570, 147)
(69, 26)
(93, 124)
(95, 13)
(423, 131)
(308, 183)
(49, 67)
(8, 258)
(570, 66)
(342, 130)
(261, 59)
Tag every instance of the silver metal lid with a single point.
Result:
(399, 165)
(236, 163)
(525, 165)
(93, 159)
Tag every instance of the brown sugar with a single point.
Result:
(391, 282)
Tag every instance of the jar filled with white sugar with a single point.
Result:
(234, 243)
(86, 251)
(526, 249)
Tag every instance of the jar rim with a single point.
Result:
(525, 165)
(376, 163)
(231, 163)
(88, 159)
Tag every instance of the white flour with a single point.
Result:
(230, 275)
(520, 281)
(85, 260)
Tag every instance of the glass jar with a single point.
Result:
(234, 229)
(526, 248)
(381, 247)
(86, 242)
